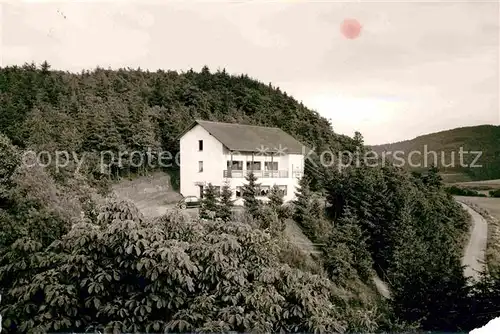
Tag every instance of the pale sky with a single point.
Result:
(416, 67)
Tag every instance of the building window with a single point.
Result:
(256, 165)
(283, 190)
(237, 165)
(263, 190)
(200, 166)
(200, 145)
(238, 192)
(268, 165)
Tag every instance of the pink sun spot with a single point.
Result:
(350, 28)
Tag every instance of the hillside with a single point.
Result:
(447, 145)
(133, 109)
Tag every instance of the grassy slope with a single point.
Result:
(484, 138)
(152, 194)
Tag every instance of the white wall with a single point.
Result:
(213, 164)
(215, 157)
(296, 164)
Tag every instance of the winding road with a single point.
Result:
(474, 255)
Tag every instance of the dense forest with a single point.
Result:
(132, 110)
(447, 145)
(73, 261)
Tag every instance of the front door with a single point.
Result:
(201, 192)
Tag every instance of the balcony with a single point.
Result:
(258, 173)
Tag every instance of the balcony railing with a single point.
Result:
(258, 173)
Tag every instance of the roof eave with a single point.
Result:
(192, 125)
(286, 152)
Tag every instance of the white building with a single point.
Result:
(213, 152)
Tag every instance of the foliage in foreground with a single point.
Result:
(127, 274)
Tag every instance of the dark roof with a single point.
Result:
(251, 138)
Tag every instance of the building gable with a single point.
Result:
(251, 138)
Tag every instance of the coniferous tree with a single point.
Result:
(359, 143)
(316, 208)
(346, 251)
(428, 284)
(308, 213)
(486, 296)
(276, 209)
(358, 139)
(226, 202)
(250, 191)
(433, 179)
(276, 203)
(10, 158)
(267, 218)
(275, 197)
(303, 201)
(361, 152)
(209, 205)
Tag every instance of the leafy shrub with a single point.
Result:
(125, 274)
(495, 193)
(38, 212)
(268, 218)
(454, 190)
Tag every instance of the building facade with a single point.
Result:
(216, 153)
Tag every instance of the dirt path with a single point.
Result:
(152, 194)
(295, 234)
(474, 255)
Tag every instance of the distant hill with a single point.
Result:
(447, 145)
